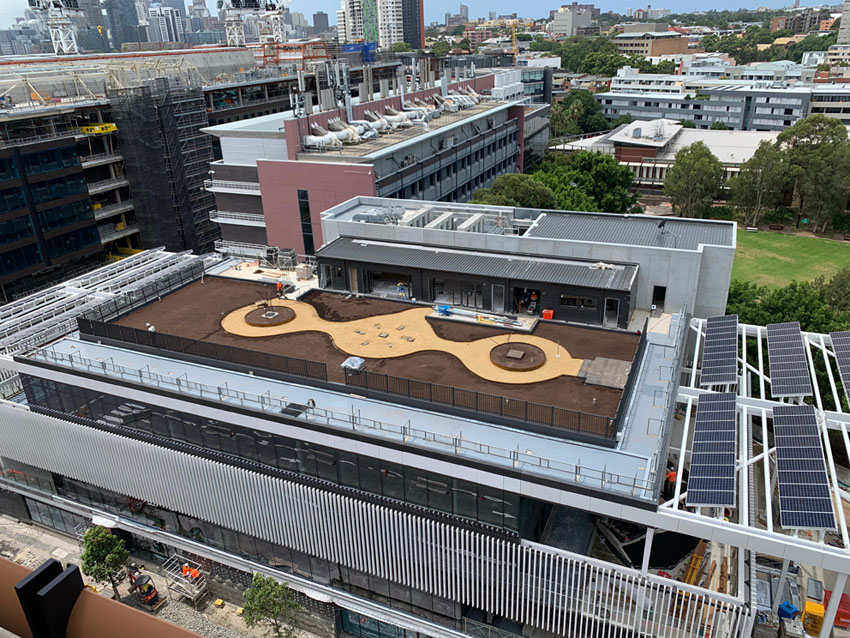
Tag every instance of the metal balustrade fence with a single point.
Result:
(195, 347)
(484, 403)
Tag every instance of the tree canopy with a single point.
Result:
(818, 160)
(401, 47)
(104, 556)
(516, 190)
(271, 604)
(693, 181)
(759, 185)
(577, 113)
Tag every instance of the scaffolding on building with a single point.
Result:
(185, 579)
(176, 217)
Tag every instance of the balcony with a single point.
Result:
(105, 212)
(240, 219)
(112, 233)
(238, 188)
(100, 158)
(107, 185)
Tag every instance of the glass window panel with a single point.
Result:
(348, 471)
(392, 480)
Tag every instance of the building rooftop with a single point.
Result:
(599, 228)
(656, 133)
(730, 147)
(633, 230)
(650, 34)
(520, 267)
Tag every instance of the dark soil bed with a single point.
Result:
(195, 312)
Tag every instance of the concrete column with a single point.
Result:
(647, 550)
(777, 597)
(832, 608)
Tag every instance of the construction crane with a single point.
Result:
(235, 10)
(62, 31)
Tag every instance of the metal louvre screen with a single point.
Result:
(531, 584)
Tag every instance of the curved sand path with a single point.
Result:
(362, 338)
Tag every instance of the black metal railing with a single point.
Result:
(255, 359)
(484, 403)
(631, 380)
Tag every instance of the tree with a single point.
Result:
(516, 190)
(688, 124)
(759, 184)
(441, 49)
(401, 47)
(458, 29)
(465, 44)
(718, 126)
(837, 291)
(271, 604)
(694, 180)
(818, 159)
(588, 181)
(577, 113)
(104, 556)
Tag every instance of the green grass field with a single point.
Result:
(775, 259)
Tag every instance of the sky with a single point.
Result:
(435, 10)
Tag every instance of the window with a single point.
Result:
(306, 222)
(569, 300)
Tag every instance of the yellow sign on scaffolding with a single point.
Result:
(98, 129)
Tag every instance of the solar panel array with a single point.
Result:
(841, 347)
(711, 482)
(804, 498)
(720, 354)
(789, 368)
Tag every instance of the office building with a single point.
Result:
(595, 12)
(166, 24)
(278, 173)
(413, 18)
(123, 22)
(431, 490)
(803, 21)
(741, 104)
(359, 20)
(651, 43)
(567, 20)
(648, 148)
(320, 22)
(844, 27)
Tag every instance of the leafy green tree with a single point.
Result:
(465, 44)
(759, 184)
(523, 37)
(600, 63)
(688, 124)
(516, 190)
(818, 159)
(623, 119)
(104, 556)
(693, 181)
(837, 291)
(666, 66)
(458, 29)
(588, 181)
(718, 126)
(577, 113)
(401, 47)
(441, 49)
(271, 604)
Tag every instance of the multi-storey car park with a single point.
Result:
(474, 469)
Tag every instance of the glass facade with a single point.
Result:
(20, 258)
(73, 241)
(446, 494)
(54, 159)
(65, 215)
(366, 627)
(55, 518)
(306, 221)
(16, 229)
(12, 199)
(8, 169)
(58, 188)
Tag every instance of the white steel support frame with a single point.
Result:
(234, 29)
(63, 35)
(754, 400)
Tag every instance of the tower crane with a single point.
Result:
(271, 11)
(62, 31)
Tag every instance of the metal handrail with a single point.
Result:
(113, 209)
(249, 217)
(243, 186)
(109, 235)
(99, 156)
(104, 184)
(406, 434)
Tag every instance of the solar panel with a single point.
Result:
(789, 370)
(720, 353)
(804, 497)
(841, 347)
(711, 482)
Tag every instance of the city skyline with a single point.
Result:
(435, 10)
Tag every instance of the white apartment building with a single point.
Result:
(390, 23)
(166, 24)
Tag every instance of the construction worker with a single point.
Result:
(190, 572)
(280, 287)
(670, 485)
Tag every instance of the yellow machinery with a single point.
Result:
(99, 129)
(812, 618)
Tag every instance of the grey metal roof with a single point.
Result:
(633, 230)
(556, 271)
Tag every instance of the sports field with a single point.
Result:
(775, 259)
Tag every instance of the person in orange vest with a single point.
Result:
(670, 486)
(279, 287)
(190, 572)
